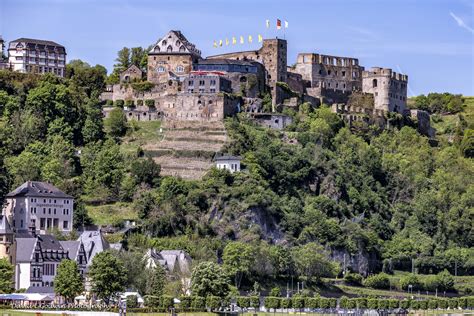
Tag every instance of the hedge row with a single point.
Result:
(197, 303)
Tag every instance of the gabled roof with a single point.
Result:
(134, 68)
(225, 158)
(174, 43)
(25, 248)
(40, 189)
(72, 246)
(94, 243)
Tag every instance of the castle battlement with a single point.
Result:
(311, 58)
(384, 72)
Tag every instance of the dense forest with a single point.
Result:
(315, 192)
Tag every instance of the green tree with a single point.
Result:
(238, 259)
(156, 280)
(68, 281)
(312, 262)
(146, 171)
(6, 276)
(108, 276)
(93, 129)
(117, 123)
(209, 278)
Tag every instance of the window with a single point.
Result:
(374, 83)
(343, 73)
(329, 72)
(190, 83)
(42, 223)
(65, 225)
(212, 90)
(213, 82)
(201, 82)
(161, 69)
(169, 49)
(179, 69)
(201, 90)
(21, 223)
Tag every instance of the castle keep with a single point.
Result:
(184, 86)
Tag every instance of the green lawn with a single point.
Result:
(111, 213)
(445, 125)
(141, 133)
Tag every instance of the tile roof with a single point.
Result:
(72, 246)
(94, 243)
(36, 188)
(25, 248)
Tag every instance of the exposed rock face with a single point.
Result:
(361, 262)
(422, 118)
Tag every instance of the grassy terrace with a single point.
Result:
(141, 133)
(445, 125)
(111, 213)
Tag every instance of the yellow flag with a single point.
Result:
(250, 38)
(234, 40)
(260, 38)
(241, 39)
(220, 42)
(215, 44)
(227, 41)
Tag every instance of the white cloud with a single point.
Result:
(461, 23)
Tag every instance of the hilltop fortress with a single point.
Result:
(181, 85)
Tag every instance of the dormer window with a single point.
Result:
(156, 49)
(169, 49)
(164, 43)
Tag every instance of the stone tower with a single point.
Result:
(388, 87)
(7, 240)
(274, 58)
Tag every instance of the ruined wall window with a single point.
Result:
(329, 72)
(320, 71)
(169, 49)
(334, 61)
(343, 73)
(243, 79)
(374, 83)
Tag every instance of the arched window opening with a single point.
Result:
(169, 49)
(182, 49)
(243, 79)
(374, 83)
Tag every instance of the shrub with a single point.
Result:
(324, 303)
(272, 302)
(152, 301)
(150, 103)
(445, 281)
(453, 302)
(383, 304)
(378, 281)
(167, 302)
(129, 103)
(297, 302)
(332, 302)
(343, 302)
(372, 303)
(423, 305)
(276, 292)
(142, 86)
(243, 302)
(213, 302)
(405, 304)
(185, 302)
(361, 302)
(470, 302)
(353, 279)
(255, 302)
(393, 303)
(312, 302)
(414, 305)
(119, 103)
(132, 301)
(198, 303)
(109, 102)
(442, 303)
(432, 304)
(139, 102)
(410, 279)
(285, 303)
(352, 303)
(462, 302)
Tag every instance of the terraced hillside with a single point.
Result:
(183, 149)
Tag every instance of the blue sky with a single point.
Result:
(430, 40)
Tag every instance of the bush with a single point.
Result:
(353, 279)
(378, 281)
(297, 302)
(343, 301)
(312, 302)
(243, 302)
(405, 304)
(423, 305)
(151, 301)
(139, 102)
(213, 302)
(198, 303)
(372, 303)
(410, 279)
(167, 302)
(185, 302)
(443, 281)
(442, 303)
(132, 301)
(255, 302)
(432, 304)
(276, 292)
(142, 86)
(150, 103)
(414, 305)
(272, 302)
(393, 303)
(361, 302)
(285, 303)
(119, 103)
(332, 302)
(109, 102)
(383, 304)
(129, 103)
(453, 302)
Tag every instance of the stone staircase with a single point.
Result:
(187, 148)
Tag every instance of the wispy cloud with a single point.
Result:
(461, 22)
(362, 34)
